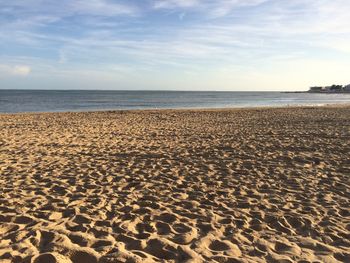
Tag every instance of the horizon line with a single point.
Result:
(158, 90)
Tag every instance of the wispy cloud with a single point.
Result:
(192, 36)
(168, 4)
(21, 70)
(211, 9)
(101, 7)
(16, 70)
(66, 8)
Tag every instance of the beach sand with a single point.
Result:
(239, 185)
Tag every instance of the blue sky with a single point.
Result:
(174, 44)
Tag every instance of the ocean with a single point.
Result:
(15, 101)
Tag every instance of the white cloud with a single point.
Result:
(43, 12)
(16, 70)
(21, 70)
(212, 9)
(101, 7)
(244, 34)
(169, 4)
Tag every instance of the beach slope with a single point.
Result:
(240, 185)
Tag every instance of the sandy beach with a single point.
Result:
(238, 185)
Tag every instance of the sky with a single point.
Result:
(238, 45)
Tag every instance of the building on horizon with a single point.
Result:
(330, 89)
(347, 88)
(316, 89)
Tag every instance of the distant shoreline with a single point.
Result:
(315, 92)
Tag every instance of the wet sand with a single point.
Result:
(243, 185)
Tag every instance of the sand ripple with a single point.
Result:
(260, 185)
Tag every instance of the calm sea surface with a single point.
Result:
(52, 101)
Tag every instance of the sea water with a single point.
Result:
(14, 101)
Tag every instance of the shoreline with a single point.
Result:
(327, 105)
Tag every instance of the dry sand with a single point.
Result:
(250, 185)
